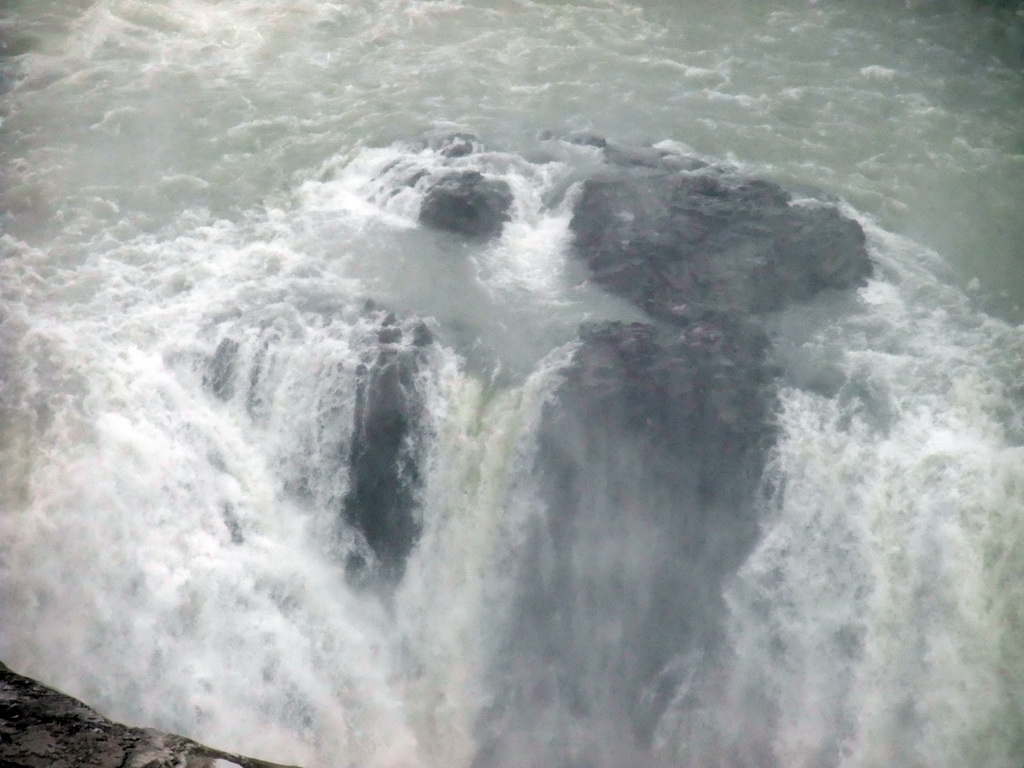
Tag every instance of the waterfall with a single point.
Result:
(287, 468)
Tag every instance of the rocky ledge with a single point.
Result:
(650, 454)
(679, 242)
(43, 728)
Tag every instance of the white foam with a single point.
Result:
(889, 532)
(876, 72)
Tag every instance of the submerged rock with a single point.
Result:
(585, 139)
(467, 202)
(43, 728)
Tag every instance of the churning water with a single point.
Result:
(176, 173)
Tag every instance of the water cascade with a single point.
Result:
(492, 385)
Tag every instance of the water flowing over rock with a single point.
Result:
(677, 483)
(43, 728)
(649, 452)
(360, 454)
(452, 144)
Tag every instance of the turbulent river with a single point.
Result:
(177, 173)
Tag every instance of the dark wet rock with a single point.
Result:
(649, 454)
(409, 171)
(676, 242)
(458, 145)
(359, 449)
(256, 401)
(387, 451)
(220, 373)
(699, 390)
(422, 336)
(43, 728)
(467, 202)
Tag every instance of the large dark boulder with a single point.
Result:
(467, 202)
(386, 451)
(648, 458)
(43, 728)
(679, 242)
(699, 391)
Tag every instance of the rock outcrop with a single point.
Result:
(386, 451)
(361, 460)
(676, 243)
(43, 728)
(468, 203)
(650, 454)
(701, 392)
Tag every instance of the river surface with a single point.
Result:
(177, 172)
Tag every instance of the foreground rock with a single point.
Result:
(42, 728)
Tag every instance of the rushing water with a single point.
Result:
(179, 172)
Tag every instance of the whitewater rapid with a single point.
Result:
(181, 173)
